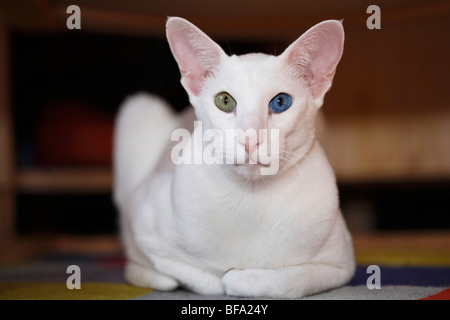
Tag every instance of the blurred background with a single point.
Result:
(387, 117)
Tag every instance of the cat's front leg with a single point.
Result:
(168, 259)
(286, 282)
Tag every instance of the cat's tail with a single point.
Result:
(142, 129)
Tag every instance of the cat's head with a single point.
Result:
(259, 91)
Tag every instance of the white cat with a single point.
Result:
(226, 228)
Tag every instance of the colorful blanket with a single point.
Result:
(101, 278)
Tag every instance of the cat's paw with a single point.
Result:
(206, 285)
(244, 283)
(148, 277)
(190, 277)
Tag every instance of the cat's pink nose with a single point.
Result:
(251, 145)
(249, 136)
(250, 140)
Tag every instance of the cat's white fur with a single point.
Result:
(218, 229)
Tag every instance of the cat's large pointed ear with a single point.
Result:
(196, 54)
(315, 56)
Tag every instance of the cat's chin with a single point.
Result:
(249, 171)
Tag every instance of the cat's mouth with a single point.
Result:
(253, 166)
(255, 171)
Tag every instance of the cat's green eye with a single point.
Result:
(225, 102)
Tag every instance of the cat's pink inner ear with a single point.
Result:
(196, 54)
(316, 54)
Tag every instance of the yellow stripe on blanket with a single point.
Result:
(59, 291)
(404, 257)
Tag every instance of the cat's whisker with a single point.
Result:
(288, 161)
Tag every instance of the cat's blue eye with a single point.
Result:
(280, 103)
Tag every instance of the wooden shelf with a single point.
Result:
(30, 247)
(387, 248)
(399, 248)
(76, 179)
(382, 126)
(245, 19)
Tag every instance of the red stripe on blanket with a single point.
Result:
(443, 295)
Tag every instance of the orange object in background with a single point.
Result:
(74, 134)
